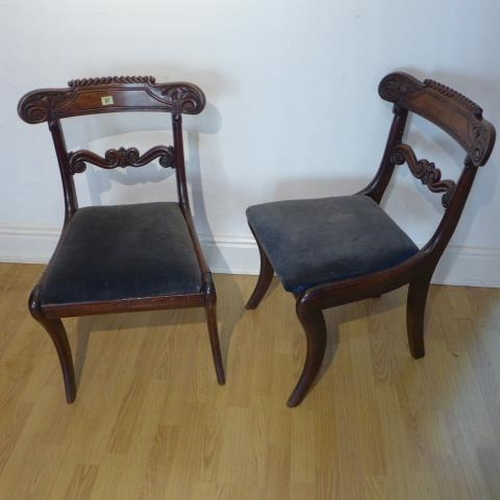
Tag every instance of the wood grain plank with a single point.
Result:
(150, 421)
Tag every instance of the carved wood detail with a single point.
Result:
(424, 170)
(136, 93)
(482, 142)
(396, 85)
(459, 98)
(38, 107)
(184, 98)
(114, 158)
(450, 110)
(109, 80)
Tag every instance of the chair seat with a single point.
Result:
(155, 255)
(317, 241)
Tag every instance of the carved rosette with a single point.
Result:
(114, 158)
(396, 85)
(424, 170)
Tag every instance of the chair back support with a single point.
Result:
(113, 95)
(456, 115)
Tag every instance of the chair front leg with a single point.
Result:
(211, 314)
(313, 322)
(57, 332)
(415, 312)
(266, 274)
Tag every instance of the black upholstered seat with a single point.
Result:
(123, 252)
(315, 241)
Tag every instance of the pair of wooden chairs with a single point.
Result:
(326, 252)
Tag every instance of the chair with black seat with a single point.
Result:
(333, 251)
(119, 258)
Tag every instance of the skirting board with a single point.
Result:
(469, 266)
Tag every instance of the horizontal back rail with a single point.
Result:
(122, 157)
(110, 95)
(457, 115)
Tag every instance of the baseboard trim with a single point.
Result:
(469, 266)
(465, 266)
(27, 244)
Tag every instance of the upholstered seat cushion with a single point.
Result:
(122, 252)
(316, 241)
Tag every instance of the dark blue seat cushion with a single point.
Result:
(122, 252)
(317, 241)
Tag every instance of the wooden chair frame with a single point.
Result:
(116, 95)
(462, 120)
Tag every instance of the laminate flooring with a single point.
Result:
(150, 421)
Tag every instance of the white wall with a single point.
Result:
(292, 111)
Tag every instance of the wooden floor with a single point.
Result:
(150, 421)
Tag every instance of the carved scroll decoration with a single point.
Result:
(424, 170)
(455, 113)
(183, 97)
(114, 158)
(37, 107)
(482, 140)
(47, 104)
(396, 85)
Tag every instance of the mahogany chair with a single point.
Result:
(332, 251)
(119, 258)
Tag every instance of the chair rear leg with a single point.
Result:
(313, 322)
(57, 332)
(213, 333)
(415, 312)
(266, 274)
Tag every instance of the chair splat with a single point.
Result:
(424, 170)
(114, 158)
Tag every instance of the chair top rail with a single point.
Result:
(454, 113)
(110, 95)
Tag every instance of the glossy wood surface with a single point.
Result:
(150, 424)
